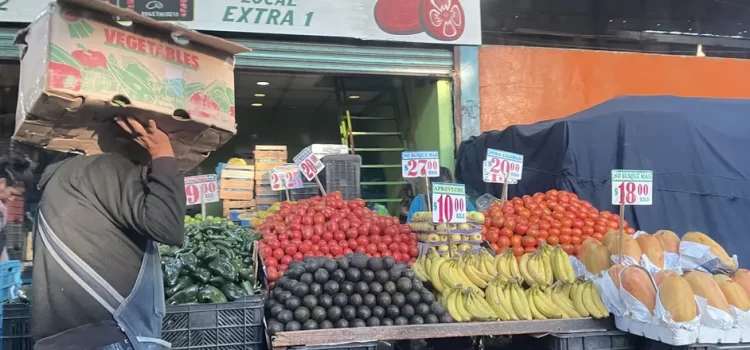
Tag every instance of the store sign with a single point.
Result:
(455, 22)
(285, 178)
(420, 164)
(449, 202)
(632, 187)
(201, 189)
(500, 165)
(308, 163)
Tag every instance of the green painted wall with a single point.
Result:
(432, 121)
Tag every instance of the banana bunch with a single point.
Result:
(541, 305)
(479, 268)
(587, 301)
(562, 268)
(536, 269)
(497, 296)
(451, 272)
(507, 266)
(421, 266)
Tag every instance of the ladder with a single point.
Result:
(370, 127)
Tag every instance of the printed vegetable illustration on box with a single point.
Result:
(443, 20)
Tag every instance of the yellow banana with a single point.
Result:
(514, 269)
(567, 266)
(478, 307)
(493, 296)
(535, 266)
(588, 301)
(523, 267)
(520, 302)
(458, 273)
(445, 275)
(450, 305)
(474, 276)
(546, 306)
(565, 290)
(434, 274)
(597, 298)
(501, 264)
(488, 263)
(460, 304)
(576, 291)
(507, 304)
(564, 302)
(535, 314)
(418, 268)
(484, 277)
(548, 275)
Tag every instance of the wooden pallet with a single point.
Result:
(241, 206)
(237, 182)
(270, 152)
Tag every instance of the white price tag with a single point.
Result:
(286, 177)
(308, 163)
(448, 202)
(201, 189)
(420, 164)
(632, 187)
(500, 165)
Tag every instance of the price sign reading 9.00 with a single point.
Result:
(632, 187)
(308, 163)
(448, 203)
(201, 189)
(501, 165)
(420, 164)
(285, 178)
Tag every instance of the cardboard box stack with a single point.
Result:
(80, 68)
(267, 158)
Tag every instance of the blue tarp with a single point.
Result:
(698, 149)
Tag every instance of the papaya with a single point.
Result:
(586, 245)
(614, 274)
(676, 296)
(596, 259)
(609, 237)
(629, 248)
(735, 295)
(650, 245)
(703, 285)
(637, 282)
(716, 248)
(662, 275)
(742, 277)
(669, 241)
(721, 278)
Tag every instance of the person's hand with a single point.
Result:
(155, 141)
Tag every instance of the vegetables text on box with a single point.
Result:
(632, 187)
(420, 164)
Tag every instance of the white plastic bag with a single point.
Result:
(634, 308)
(610, 294)
(665, 318)
(713, 317)
(698, 257)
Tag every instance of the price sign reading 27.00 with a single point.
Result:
(448, 203)
(201, 189)
(285, 177)
(308, 163)
(500, 165)
(632, 187)
(420, 164)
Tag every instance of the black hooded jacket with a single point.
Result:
(105, 208)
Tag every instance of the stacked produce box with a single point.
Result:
(267, 158)
(236, 188)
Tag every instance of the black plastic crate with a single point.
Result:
(16, 333)
(342, 174)
(226, 326)
(347, 346)
(308, 190)
(609, 340)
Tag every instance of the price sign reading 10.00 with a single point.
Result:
(448, 203)
(285, 177)
(201, 189)
(632, 187)
(500, 165)
(308, 163)
(420, 164)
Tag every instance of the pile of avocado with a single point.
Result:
(351, 291)
(213, 265)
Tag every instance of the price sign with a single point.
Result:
(285, 178)
(448, 202)
(420, 164)
(308, 163)
(201, 189)
(632, 187)
(501, 165)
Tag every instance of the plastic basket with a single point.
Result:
(16, 327)
(347, 346)
(308, 190)
(10, 279)
(225, 326)
(342, 174)
(610, 340)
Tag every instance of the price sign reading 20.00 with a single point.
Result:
(448, 203)
(308, 163)
(201, 189)
(632, 187)
(501, 165)
(420, 164)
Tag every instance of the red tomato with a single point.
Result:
(493, 236)
(497, 221)
(394, 247)
(352, 233)
(304, 248)
(363, 241)
(553, 240)
(387, 239)
(521, 229)
(278, 253)
(390, 231)
(339, 235)
(348, 251)
(266, 252)
(285, 261)
(518, 251)
(315, 239)
(298, 256)
(271, 261)
(506, 232)
(376, 239)
(529, 250)
(325, 249)
(515, 241)
(272, 274)
(397, 256)
(375, 230)
(360, 249)
(274, 244)
(568, 248)
(290, 249)
(382, 247)
(403, 248)
(337, 251)
(319, 219)
(564, 239)
(503, 242)
(528, 241)
(404, 229)
(332, 226)
(371, 249)
(364, 230)
(327, 236)
(352, 243)
(318, 229)
(413, 251)
(307, 220)
(344, 224)
(307, 232)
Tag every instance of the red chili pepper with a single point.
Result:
(90, 58)
(202, 105)
(63, 76)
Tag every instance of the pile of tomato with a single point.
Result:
(555, 217)
(332, 227)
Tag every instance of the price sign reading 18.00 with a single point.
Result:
(501, 165)
(632, 187)
(285, 177)
(308, 163)
(201, 189)
(420, 164)
(448, 202)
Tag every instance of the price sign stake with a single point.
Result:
(449, 206)
(426, 164)
(631, 187)
(310, 166)
(502, 167)
(201, 189)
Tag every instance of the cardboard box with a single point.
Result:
(80, 68)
